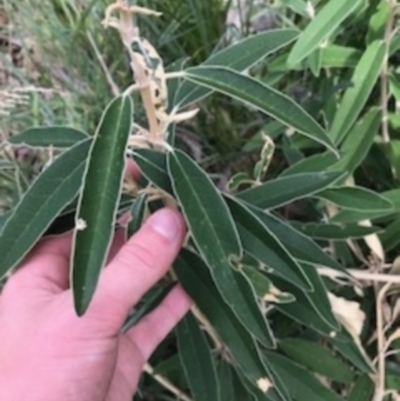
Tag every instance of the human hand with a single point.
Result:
(48, 353)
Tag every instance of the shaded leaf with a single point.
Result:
(98, 202)
(264, 288)
(150, 301)
(259, 242)
(52, 190)
(56, 136)
(195, 278)
(334, 231)
(216, 237)
(283, 190)
(138, 210)
(356, 198)
(239, 57)
(317, 358)
(364, 79)
(298, 245)
(321, 27)
(363, 389)
(153, 166)
(312, 164)
(262, 97)
(309, 302)
(301, 384)
(195, 354)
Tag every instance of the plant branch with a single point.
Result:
(385, 72)
(166, 383)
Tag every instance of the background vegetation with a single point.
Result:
(59, 66)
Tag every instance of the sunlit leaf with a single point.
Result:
(321, 27)
(364, 79)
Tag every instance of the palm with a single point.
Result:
(84, 358)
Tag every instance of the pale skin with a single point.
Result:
(48, 353)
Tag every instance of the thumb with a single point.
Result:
(138, 265)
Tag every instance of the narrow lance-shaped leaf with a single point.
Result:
(138, 211)
(56, 136)
(195, 354)
(239, 57)
(153, 166)
(52, 190)
(353, 102)
(356, 198)
(321, 27)
(359, 141)
(195, 278)
(334, 231)
(301, 384)
(262, 97)
(316, 300)
(317, 358)
(98, 202)
(260, 243)
(283, 190)
(300, 246)
(215, 235)
(312, 164)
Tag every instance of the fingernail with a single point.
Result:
(166, 223)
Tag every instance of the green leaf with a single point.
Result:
(312, 164)
(356, 198)
(334, 56)
(390, 238)
(153, 166)
(283, 190)
(334, 232)
(345, 345)
(301, 384)
(98, 201)
(240, 56)
(358, 142)
(138, 210)
(299, 246)
(150, 301)
(262, 97)
(363, 389)
(231, 387)
(259, 242)
(321, 27)
(317, 358)
(264, 288)
(195, 278)
(216, 237)
(308, 302)
(195, 354)
(5, 164)
(3, 220)
(355, 98)
(377, 23)
(298, 6)
(56, 136)
(52, 190)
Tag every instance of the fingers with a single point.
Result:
(140, 263)
(155, 326)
